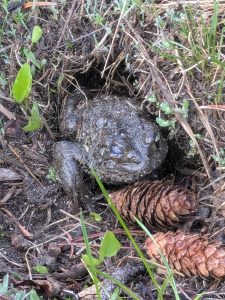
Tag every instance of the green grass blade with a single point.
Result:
(166, 282)
(199, 296)
(88, 249)
(172, 281)
(221, 43)
(220, 88)
(129, 235)
(213, 28)
(5, 285)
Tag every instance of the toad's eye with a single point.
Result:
(116, 151)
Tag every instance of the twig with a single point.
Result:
(23, 230)
(56, 222)
(66, 23)
(122, 15)
(40, 245)
(29, 5)
(6, 98)
(8, 195)
(22, 162)
(6, 48)
(204, 4)
(77, 219)
(10, 261)
(213, 107)
(7, 113)
(47, 128)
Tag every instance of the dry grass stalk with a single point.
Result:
(203, 4)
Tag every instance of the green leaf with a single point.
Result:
(33, 295)
(96, 262)
(51, 174)
(115, 294)
(166, 282)
(34, 122)
(31, 57)
(165, 123)
(43, 62)
(109, 246)
(21, 295)
(4, 286)
(40, 269)
(186, 104)
(128, 233)
(96, 217)
(22, 85)
(152, 98)
(198, 297)
(36, 34)
(165, 107)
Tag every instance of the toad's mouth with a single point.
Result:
(129, 166)
(132, 166)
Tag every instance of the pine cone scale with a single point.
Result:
(155, 203)
(191, 254)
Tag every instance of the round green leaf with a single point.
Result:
(109, 246)
(96, 217)
(40, 269)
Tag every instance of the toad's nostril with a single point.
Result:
(135, 157)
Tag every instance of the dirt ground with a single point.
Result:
(38, 223)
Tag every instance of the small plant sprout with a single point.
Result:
(220, 158)
(185, 108)
(96, 217)
(193, 149)
(99, 20)
(36, 34)
(166, 108)
(23, 83)
(40, 269)
(31, 57)
(52, 174)
(108, 248)
(8, 292)
(34, 122)
(165, 123)
(152, 98)
(21, 91)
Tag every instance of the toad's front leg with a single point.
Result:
(67, 158)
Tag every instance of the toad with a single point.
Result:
(110, 134)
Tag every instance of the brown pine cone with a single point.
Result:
(190, 254)
(156, 203)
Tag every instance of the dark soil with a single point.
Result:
(38, 221)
